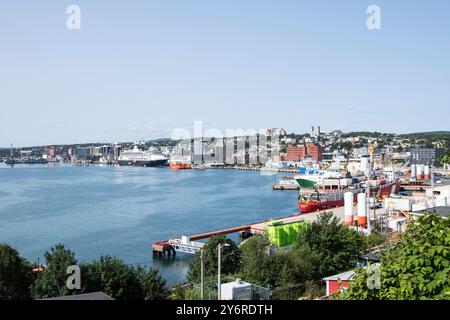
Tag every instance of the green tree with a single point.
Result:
(335, 246)
(230, 259)
(153, 285)
(16, 275)
(376, 237)
(259, 266)
(115, 278)
(418, 267)
(445, 159)
(305, 262)
(52, 281)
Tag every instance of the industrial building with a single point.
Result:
(423, 155)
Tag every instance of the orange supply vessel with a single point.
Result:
(180, 165)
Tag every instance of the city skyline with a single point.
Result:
(142, 70)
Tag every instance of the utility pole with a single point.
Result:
(202, 275)
(219, 285)
(432, 188)
(367, 206)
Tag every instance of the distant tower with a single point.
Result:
(11, 151)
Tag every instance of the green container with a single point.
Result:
(282, 235)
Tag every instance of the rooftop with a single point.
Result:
(85, 296)
(442, 211)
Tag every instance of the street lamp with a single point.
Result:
(219, 286)
(202, 275)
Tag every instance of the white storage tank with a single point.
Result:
(413, 171)
(348, 208)
(427, 172)
(362, 209)
(420, 172)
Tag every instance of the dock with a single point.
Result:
(282, 187)
(191, 245)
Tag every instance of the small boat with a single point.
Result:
(286, 183)
(178, 165)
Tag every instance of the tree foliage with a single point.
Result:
(445, 159)
(52, 281)
(230, 257)
(259, 266)
(16, 275)
(123, 282)
(153, 285)
(418, 267)
(113, 277)
(335, 246)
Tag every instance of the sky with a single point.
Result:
(140, 69)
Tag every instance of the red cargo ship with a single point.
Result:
(331, 198)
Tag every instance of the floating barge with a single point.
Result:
(285, 187)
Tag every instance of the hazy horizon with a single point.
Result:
(140, 70)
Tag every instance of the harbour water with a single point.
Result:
(119, 211)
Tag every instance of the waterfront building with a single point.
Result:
(315, 151)
(423, 155)
(106, 150)
(82, 152)
(295, 153)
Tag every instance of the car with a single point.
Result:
(438, 181)
(378, 204)
(396, 196)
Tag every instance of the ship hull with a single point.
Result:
(180, 166)
(152, 163)
(306, 182)
(381, 192)
(13, 162)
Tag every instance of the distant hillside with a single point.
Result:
(428, 134)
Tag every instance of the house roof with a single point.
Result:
(345, 276)
(85, 296)
(442, 211)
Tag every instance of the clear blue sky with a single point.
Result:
(140, 68)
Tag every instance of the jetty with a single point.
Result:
(191, 245)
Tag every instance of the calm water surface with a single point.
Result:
(99, 210)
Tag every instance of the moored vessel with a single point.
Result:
(14, 161)
(328, 196)
(138, 158)
(179, 165)
(286, 183)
